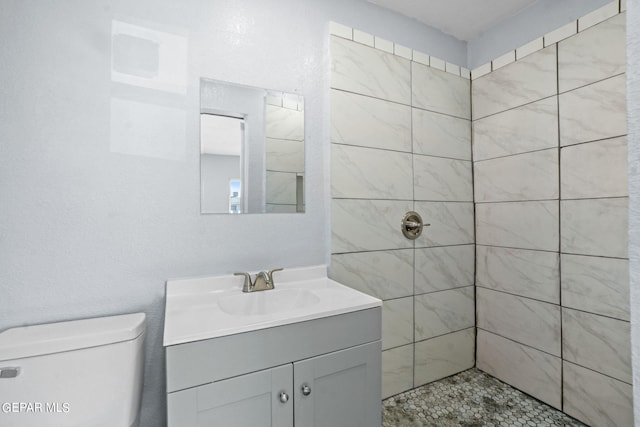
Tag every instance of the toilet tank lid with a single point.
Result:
(38, 340)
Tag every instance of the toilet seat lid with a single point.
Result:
(38, 340)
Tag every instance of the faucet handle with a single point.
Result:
(247, 281)
(270, 274)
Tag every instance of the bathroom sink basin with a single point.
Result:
(210, 307)
(267, 302)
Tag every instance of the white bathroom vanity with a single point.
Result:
(305, 354)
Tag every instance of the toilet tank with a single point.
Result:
(82, 373)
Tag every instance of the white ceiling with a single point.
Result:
(463, 19)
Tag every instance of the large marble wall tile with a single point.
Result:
(284, 155)
(527, 225)
(532, 371)
(440, 179)
(528, 128)
(527, 321)
(439, 91)
(443, 356)
(441, 135)
(596, 169)
(284, 123)
(527, 80)
(397, 370)
(369, 173)
(397, 322)
(369, 122)
(596, 342)
(442, 312)
(362, 69)
(445, 267)
(280, 188)
(595, 227)
(368, 225)
(596, 399)
(530, 176)
(595, 284)
(593, 112)
(592, 55)
(382, 274)
(451, 223)
(532, 274)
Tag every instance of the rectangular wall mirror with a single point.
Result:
(251, 149)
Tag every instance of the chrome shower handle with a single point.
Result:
(412, 225)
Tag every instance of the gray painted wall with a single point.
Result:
(99, 175)
(633, 125)
(533, 22)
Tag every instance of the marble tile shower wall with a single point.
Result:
(549, 151)
(401, 141)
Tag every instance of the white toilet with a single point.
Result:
(82, 373)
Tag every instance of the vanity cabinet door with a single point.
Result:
(252, 400)
(341, 389)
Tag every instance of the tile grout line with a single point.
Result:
(410, 105)
(344, 144)
(557, 94)
(409, 200)
(494, 202)
(513, 294)
(413, 243)
(475, 231)
(559, 135)
(481, 286)
(551, 354)
(498, 334)
(597, 372)
(548, 251)
(506, 156)
(456, 288)
(526, 104)
(611, 77)
(402, 249)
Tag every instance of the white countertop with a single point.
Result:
(197, 308)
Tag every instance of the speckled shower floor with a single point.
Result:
(470, 399)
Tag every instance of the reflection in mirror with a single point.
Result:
(251, 149)
(220, 168)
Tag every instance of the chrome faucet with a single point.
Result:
(263, 281)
